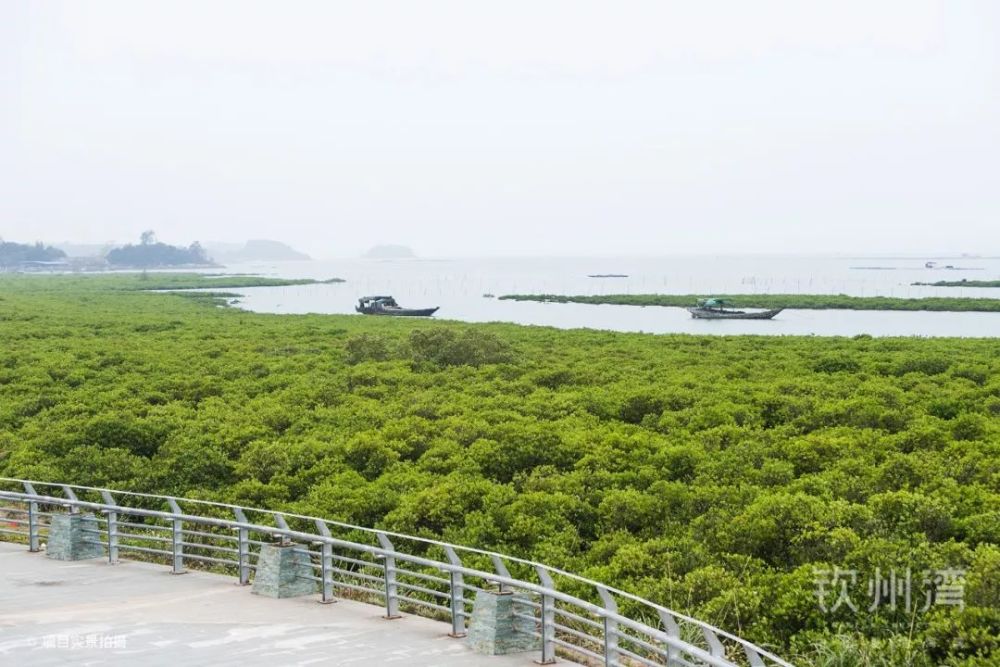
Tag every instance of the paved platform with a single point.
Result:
(92, 613)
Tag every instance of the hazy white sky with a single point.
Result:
(513, 127)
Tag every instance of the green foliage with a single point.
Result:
(431, 347)
(655, 463)
(925, 365)
(836, 364)
(469, 347)
(367, 347)
(855, 651)
(798, 301)
(969, 633)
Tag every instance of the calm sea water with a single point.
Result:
(458, 286)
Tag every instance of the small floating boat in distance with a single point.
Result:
(715, 309)
(386, 305)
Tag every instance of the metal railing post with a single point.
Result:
(112, 528)
(326, 563)
(71, 495)
(33, 540)
(391, 590)
(753, 657)
(673, 631)
(326, 558)
(548, 618)
(610, 628)
(34, 544)
(715, 647)
(457, 594)
(242, 547)
(283, 527)
(177, 543)
(501, 569)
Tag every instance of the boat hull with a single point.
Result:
(400, 312)
(708, 314)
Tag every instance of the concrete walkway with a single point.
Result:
(92, 613)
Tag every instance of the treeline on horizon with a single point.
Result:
(148, 253)
(713, 475)
(12, 254)
(798, 301)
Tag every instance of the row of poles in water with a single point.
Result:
(467, 286)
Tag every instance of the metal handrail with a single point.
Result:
(676, 640)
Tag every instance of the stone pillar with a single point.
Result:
(281, 569)
(495, 630)
(74, 537)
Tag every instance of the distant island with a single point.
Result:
(22, 256)
(255, 250)
(961, 283)
(390, 251)
(150, 253)
(147, 254)
(791, 301)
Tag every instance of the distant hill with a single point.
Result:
(390, 251)
(255, 250)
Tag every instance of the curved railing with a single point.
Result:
(582, 620)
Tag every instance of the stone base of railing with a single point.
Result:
(74, 537)
(281, 572)
(496, 629)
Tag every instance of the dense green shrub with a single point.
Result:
(366, 347)
(836, 364)
(468, 347)
(968, 633)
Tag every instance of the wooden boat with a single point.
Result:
(715, 309)
(386, 305)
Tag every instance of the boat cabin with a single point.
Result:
(375, 303)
